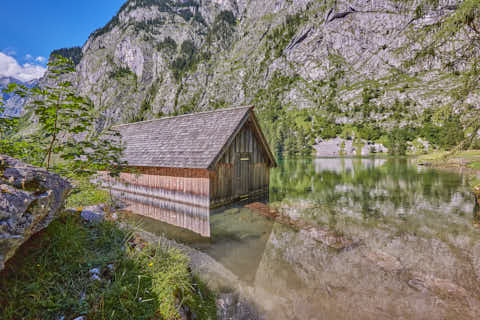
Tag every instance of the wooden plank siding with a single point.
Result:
(188, 186)
(226, 183)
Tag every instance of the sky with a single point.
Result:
(31, 29)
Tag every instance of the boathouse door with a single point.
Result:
(242, 174)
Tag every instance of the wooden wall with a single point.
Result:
(188, 186)
(228, 181)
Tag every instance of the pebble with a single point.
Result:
(94, 274)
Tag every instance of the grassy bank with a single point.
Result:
(469, 159)
(52, 276)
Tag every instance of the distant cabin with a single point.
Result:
(206, 160)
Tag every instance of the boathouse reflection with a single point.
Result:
(193, 218)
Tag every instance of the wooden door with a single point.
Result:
(242, 173)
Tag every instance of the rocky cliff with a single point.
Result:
(314, 68)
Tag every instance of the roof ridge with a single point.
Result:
(182, 116)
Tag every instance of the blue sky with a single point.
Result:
(30, 30)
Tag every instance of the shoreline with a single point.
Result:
(466, 161)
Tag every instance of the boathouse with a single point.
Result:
(204, 160)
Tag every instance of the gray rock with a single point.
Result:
(346, 147)
(231, 306)
(30, 198)
(93, 213)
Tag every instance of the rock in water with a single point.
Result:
(30, 198)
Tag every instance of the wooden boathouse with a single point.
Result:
(204, 160)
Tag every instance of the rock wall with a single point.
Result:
(299, 53)
(30, 198)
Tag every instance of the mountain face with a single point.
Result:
(13, 103)
(314, 69)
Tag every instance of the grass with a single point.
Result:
(86, 194)
(50, 278)
(475, 165)
(433, 156)
(472, 157)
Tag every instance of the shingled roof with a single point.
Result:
(187, 141)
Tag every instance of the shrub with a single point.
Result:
(168, 44)
(74, 53)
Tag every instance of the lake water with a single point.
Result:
(377, 239)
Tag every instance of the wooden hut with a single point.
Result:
(205, 160)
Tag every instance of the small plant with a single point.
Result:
(121, 72)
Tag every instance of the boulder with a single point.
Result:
(30, 198)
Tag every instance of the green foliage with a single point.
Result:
(168, 45)
(369, 132)
(281, 36)
(447, 132)
(397, 141)
(222, 29)
(150, 26)
(188, 49)
(227, 17)
(51, 277)
(15, 145)
(74, 53)
(289, 131)
(121, 72)
(186, 61)
(62, 117)
(142, 113)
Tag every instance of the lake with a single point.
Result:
(371, 238)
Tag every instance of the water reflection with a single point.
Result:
(193, 218)
(340, 165)
(418, 252)
(376, 186)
